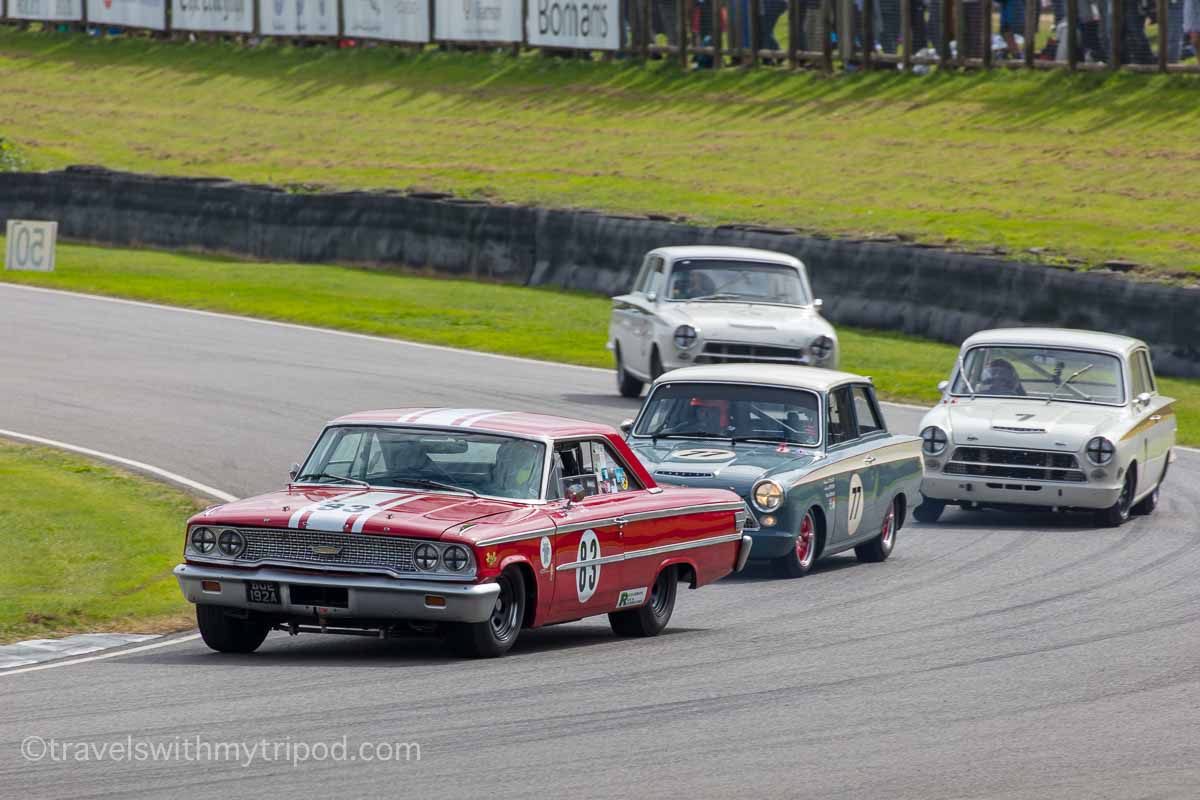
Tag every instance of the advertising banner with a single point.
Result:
(128, 13)
(48, 10)
(234, 16)
(394, 20)
(478, 20)
(574, 24)
(298, 17)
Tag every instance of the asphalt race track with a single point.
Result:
(993, 655)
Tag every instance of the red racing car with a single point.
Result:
(468, 522)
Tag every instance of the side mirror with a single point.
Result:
(575, 493)
(818, 303)
(626, 427)
(293, 472)
(652, 297)
(943, 386)
(1143, 399)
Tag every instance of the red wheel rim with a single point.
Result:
(889, 527)
(804, 542)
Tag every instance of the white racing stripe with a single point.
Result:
(159, 472)
(362, 518)
(117, 654)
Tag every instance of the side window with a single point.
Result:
(1138, 377)
(649, 280)
(1144, 359)
(593, 465)
(865, 411)
(840, 417)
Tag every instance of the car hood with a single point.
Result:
(713, 463)
(753, 322)
(369, 511)
(1028, 423)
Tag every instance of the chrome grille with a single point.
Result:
(994, 462)
(272, 545)
(728, 352)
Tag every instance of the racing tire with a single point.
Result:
(656, 367)
(1119, 512)
(627, 385)
(649, 619)
(929, 511)
(879, 548)
(799, 560)
(1150, 502)
(496, 635)
(227, 634)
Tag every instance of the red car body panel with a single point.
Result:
(638, 532)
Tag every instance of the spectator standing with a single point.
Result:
(1191, 23)
(769, 12)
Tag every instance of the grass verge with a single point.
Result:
(1087, 166)
(536, 323)
(86, 547)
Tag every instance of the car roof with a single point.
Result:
(481, 420)
(682, 252)
(793, 377)
(1056, 337)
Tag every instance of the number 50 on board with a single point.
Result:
(30, 245)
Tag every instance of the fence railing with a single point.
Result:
(1141, 35)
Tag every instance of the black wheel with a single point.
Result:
(650, 619)
(800, 559)
(929, 511)
(494, 636)
(879, 548)
(1150, 501)
(627, 385)
(656, 367)
(1117, 514)
(227, 634)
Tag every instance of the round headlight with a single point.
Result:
(426, 556)
(203, 540)
(231, 543)
(455, 558)
(934, 440)
(685, 337)
(821, 348)
(767, 495)
(1100, 451)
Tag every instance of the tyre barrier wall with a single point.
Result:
(924, 291)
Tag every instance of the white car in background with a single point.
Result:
(1047, 418)
(716, 305)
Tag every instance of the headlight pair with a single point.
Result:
(227, 542)
(454, 558)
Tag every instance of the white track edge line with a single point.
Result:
(166, 475)
(115, 654)
(366, 336)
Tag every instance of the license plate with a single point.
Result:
(260, 592)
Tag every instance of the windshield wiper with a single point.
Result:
(689, 435)
(769, 439)
(718, 296)
(1063, 385)
(341, 478)
(428, 484)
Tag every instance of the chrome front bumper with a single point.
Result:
(743, 553)
(368, 597)
(1011, 491)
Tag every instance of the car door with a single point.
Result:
(872, 434)
(588, 550)
(853, 476)
(1159, 432)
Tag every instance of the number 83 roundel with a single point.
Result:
(587, 577)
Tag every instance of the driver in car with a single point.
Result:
(692, 283)
(1000, 377)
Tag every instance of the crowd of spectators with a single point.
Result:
(1092, 38)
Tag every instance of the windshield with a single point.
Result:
(731, 411)
(1042, 372)
(485, 464)
(717, 280)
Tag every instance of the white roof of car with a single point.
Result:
(1055, 337)
(718, 251)
(785, 375)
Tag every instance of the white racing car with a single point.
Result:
(1059, 419)
(713, 305)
